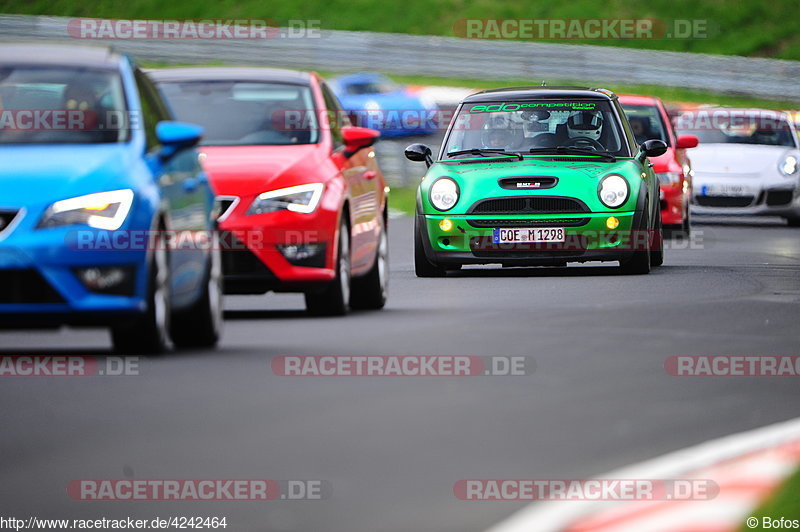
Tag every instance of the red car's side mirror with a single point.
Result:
(687, 141)
(357, 138)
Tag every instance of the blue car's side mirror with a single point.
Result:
(175, 136)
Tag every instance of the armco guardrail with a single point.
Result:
(449, 56)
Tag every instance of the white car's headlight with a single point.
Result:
(668, 178)
(613, 190)
(302, 198)
(444, 194)
(789, 165)
(103, 210)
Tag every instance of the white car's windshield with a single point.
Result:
(723, 126)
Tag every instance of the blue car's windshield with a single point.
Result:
(61, 105)
(245, 113)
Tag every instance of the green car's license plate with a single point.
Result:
(516, 235)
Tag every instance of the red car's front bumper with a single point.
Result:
(673, 205)
(279, 251)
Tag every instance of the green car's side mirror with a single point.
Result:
(419, 153)
(651, 148)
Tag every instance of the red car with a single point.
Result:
(303, 201)
(649, 120)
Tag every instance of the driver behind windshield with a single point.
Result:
(585, 124)
(499, 134)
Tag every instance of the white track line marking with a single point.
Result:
(554, 515)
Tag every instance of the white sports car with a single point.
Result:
(747, 162)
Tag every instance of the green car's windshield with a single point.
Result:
(61, 105)
(536, 127)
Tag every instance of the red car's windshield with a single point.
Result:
(245, 113)
(646, 123)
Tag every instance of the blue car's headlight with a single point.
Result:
(302, 198)
(103, 210)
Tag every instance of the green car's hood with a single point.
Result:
(576, 179)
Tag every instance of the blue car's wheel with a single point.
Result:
(201, 324)
(149, 334)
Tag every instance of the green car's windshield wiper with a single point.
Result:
(570, 150)
(484, 152)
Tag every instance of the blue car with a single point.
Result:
(375, 101)
(106, 216)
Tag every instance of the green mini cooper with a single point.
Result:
(538, 176)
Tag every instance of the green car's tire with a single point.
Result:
(639, 262)
(370, 292)
(422, 266)
(657, 251)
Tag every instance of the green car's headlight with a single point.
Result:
(103, 210)
(613, 190)
(789, 166)
(302, 198)
(444, 194)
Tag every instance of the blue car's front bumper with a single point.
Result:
(39, 283)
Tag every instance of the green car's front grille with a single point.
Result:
(528, 205)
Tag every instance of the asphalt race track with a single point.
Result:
(392, 448)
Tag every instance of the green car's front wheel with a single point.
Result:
(422, 266)
(640, 261)
(657, 243)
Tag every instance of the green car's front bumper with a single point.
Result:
(587, 238)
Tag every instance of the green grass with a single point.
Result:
(784, 503)
(403, 199)
(744, 27)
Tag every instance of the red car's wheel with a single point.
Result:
(333, 299)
